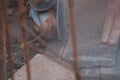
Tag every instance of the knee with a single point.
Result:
(113, 9)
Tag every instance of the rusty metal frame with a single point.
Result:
(26, 46)
(7, 40)
(5, 33)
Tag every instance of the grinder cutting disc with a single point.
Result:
(42, 5)
(43, 17)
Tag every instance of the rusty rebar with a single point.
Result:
(10, 53)
(74, 41)
(39, 50)
(2, 50)
(8, 40)
(50, 48)
(26, 46)
(2, 43)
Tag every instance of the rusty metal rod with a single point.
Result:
(46, 45)
(63, 62)
(27, 56)
(26, 46)
(31, 46)
(10, 53)
(74, 41)
(2, 50)
(8, 41)
(36, 48)
(2, 43)
(41, 41)
(59, 61)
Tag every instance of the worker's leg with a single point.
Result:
(113, 8)
(115, 32)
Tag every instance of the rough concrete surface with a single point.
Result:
(112, 73)
(91, 60)
(43, 68)
(90, 74)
